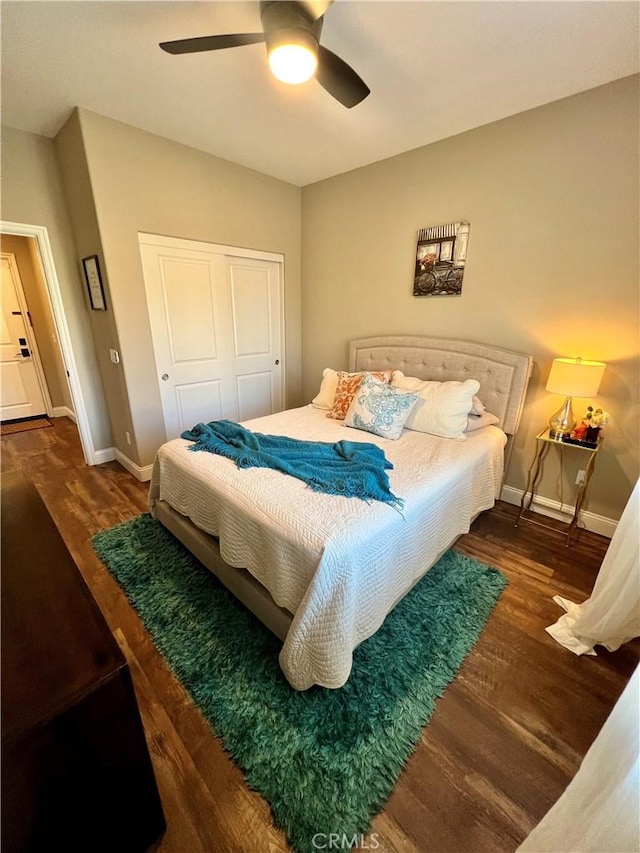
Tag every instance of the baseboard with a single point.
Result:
(106, 455)
(140, 473)
(109, 454)
(63, 412)
(562, 512)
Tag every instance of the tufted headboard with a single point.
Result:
(503, 375)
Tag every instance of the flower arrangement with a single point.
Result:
(592, 422)
(595, 417)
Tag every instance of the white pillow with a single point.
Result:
(443, 407)
(380, 409)
(324, 397)
(478, 421)
(477, 406)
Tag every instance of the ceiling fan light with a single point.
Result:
(293, 63)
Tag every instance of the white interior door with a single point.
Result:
(215, 324)
(20, 392)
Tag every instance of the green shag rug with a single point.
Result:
(325, 760)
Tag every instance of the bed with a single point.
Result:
(323, 571)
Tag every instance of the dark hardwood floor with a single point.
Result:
(506, 738)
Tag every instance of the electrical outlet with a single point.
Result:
(127, 436)
(580, 477)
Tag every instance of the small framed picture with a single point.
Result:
(441, 254)
(93, 278)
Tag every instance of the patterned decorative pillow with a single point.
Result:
(380, 409)
(348, 384)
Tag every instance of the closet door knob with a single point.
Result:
(164, 377)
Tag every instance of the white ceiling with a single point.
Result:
(434, 69)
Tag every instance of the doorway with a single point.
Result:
(52, 304)
(23, 383)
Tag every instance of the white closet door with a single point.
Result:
(254, 288)
(215, 325)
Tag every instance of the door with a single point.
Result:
(254, 289)
(216, 330)
(21, 395)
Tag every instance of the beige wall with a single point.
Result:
(25, 250)
(552, 267)
(32, 194)
(143, 182)
(75, 174)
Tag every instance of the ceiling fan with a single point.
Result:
(291, 30)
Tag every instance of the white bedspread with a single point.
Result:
(338, 564)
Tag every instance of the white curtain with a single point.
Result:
(611, 616)
(600, 810)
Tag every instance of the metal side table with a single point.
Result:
(543, 442)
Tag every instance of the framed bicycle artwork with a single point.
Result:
(441, 254)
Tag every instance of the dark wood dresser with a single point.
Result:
(76, 772)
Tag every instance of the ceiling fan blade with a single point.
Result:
(339, 79)
(195, 45)
(315, 8)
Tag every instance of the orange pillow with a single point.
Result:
(348, 384)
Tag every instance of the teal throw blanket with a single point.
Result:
(348, 468)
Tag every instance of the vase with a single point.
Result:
(592, 434)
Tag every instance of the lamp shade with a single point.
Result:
(573, 377)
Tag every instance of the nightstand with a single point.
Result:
(543, 443)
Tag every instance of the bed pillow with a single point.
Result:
(346, 387)
(324, 397)
(477, 406)
(443, 407)
(380, 408)
(478, 421)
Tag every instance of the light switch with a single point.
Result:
(114, 355)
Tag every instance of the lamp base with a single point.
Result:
(559, 435)
(563, 421)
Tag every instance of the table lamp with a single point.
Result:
(571, 377)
